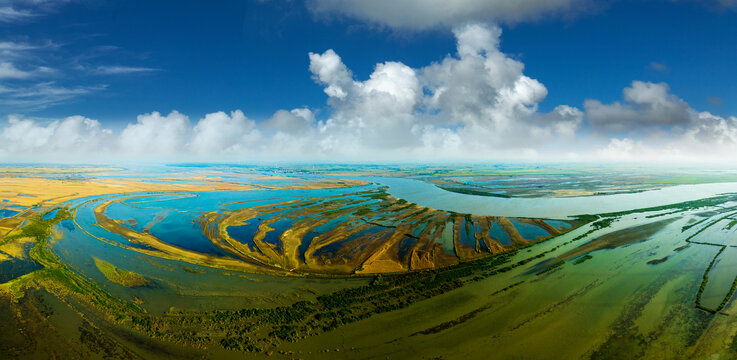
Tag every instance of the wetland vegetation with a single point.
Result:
(279, 270)
(118, 276)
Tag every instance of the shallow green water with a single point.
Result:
(721, 276)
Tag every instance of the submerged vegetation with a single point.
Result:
(57, 276)
(119, 276)
(681, 206)
(583, 259)
(658, 261)
(262, 329)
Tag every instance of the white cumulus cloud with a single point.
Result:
(479, 98)
(153, 135)
(299, 122)
(219, 133)
(475, 104)
(27, 139)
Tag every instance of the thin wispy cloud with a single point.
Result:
(16, 46)
(41, 96)
(21, 61)
(9, 71)
(658, 66)
(727, 4)
(8, 14)
(105, 48)
(15, 11)
(715, 101)
(18, 50)
(122, 70)
(29, 84)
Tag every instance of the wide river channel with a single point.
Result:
(429, 195)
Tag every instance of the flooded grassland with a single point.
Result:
(222, 265)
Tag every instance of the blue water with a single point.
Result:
(416, 231)
(170, 285)
(446, 239)
(279, 226)
(182, 231)
(7, 213)
(405, 245)
(305, 243)
(497, 233)
(127, 213)
(482, 245)
(86, 219)
(178, 227)
(466, 234)
(560, 225)
(51, 214)
(529, 231)
(68, 225)
(245, 233)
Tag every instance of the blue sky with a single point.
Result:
(112, 61)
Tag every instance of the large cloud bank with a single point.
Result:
(476, 104)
